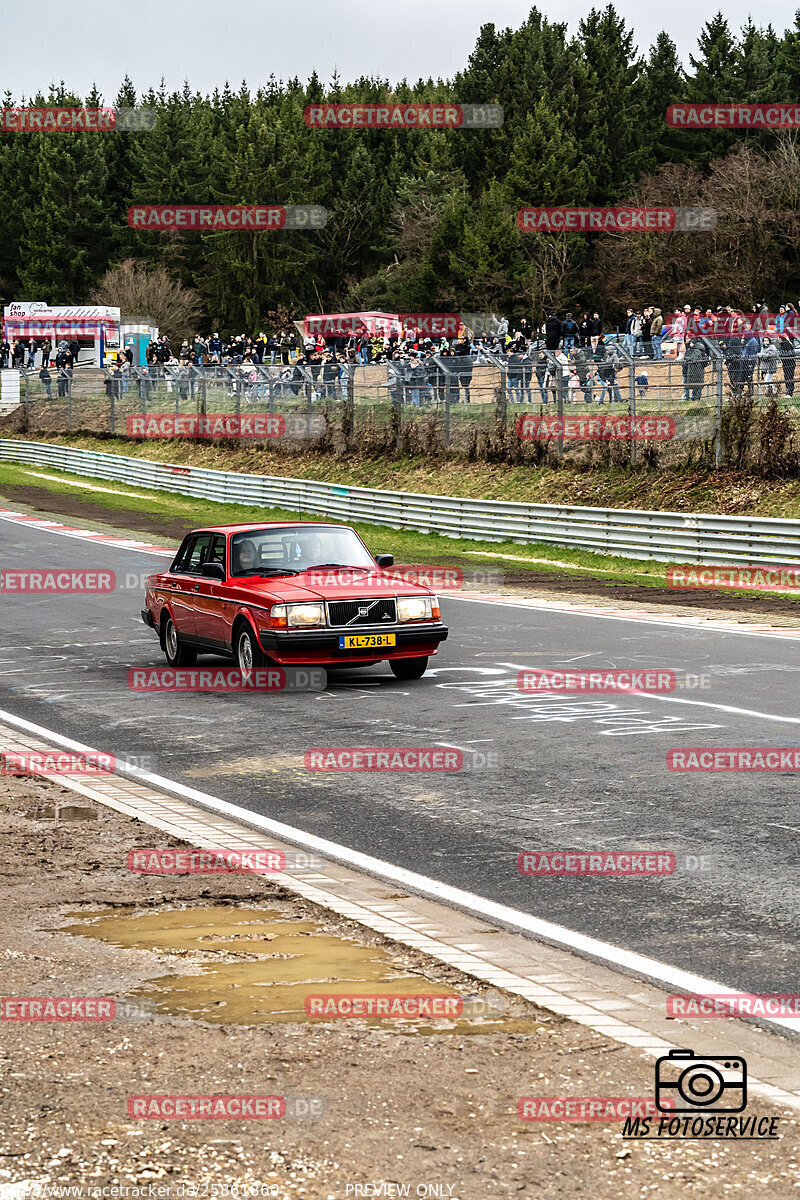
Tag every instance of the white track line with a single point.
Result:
(707, 626)
(422, 885)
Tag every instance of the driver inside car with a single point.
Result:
(245, 555)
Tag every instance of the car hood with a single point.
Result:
(326, 585)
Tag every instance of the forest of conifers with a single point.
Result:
(425, 221)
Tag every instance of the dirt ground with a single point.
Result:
(422, 1107)
(553, 584)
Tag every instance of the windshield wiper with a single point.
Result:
(339, 566)
(265, 574)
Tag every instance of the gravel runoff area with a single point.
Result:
(426, 1110)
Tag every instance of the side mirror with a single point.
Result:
(384, 560)
(213, 570)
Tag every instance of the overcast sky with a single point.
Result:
(209, 41)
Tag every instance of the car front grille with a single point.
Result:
(362, 612)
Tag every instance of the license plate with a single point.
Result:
(366, 641)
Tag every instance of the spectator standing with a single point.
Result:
(526, 363)
(768, 359)
(596, 330)
(788, 353)
(732, 352)
(552, 332)
(585, 330)
(542, 375)
(630, 340)
(463, 365)
(657, 333)
(514, 377)
(569, 332)
(694, 371)
(45, 377)
(573, 386)
(750, 349)
(679, 332)
(607, 373)
(583, 365)
(647, 340)
(286, 347)
(637, 328)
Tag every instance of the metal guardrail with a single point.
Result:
(634, 533)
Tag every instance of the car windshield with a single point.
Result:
(290, 550)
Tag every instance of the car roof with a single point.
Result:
(253, 525)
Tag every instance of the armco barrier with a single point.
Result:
(667, 536)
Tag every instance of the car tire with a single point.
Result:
(175, 652)
(408, 668)
(248, 654)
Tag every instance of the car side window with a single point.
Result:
(216, 553)
(181, 556)
(197, 554)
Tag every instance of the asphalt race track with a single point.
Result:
(573, 772)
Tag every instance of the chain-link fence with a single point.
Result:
(572, 406)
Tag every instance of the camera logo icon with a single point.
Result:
(712, 1083)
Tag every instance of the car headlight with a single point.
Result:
(417, 608)
(298, 616)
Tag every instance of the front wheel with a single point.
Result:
(177, 655)
(408, 668)
(249, 655)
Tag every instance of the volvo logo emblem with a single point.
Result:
(362, 612)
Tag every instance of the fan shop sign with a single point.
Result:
(26, 320)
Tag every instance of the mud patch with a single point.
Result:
(255, 966)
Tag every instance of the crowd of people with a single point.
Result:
(569, 356)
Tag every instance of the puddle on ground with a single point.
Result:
(256, 966)
(61, 812)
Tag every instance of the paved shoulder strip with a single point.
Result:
(529, 957)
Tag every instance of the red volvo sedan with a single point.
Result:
(306, 592)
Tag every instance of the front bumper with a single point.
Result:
(322, 645)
